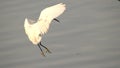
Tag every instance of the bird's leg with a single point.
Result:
(56, 20)
(47, 50)
(42, 53)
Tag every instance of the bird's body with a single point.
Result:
(36, 30)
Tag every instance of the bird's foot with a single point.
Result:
(42, 53)
(47, 50)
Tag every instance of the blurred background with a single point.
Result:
(87, 37)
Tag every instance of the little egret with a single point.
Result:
(35, 30)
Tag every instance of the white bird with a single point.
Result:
(35, 30)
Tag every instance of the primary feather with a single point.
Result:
(36, 30)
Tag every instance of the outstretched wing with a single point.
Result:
(52, 12)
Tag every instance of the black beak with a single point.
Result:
(56, 20)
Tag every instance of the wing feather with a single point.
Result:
(52, 12)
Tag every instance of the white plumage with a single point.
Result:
(36, 30)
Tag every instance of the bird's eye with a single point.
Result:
(40, 34)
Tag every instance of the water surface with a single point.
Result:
(87, 37)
